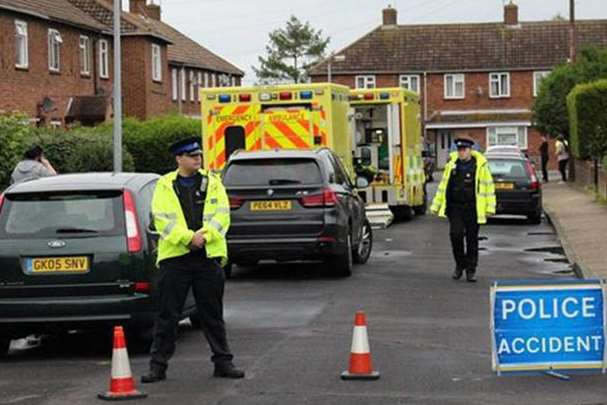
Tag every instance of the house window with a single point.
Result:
(455, 86)
(499, 85)
(104, 61)
(507, 136)
(192, 86)
(54, 50)
(156, 63)
(538, 77)
(85, 55)
(206, 79)
(365, 82)
(233, 81)
(174, 84)
(183, 86)
(200, 83)
(21, 49)
(410, 82)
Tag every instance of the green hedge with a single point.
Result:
(84, 149)
(587, 104)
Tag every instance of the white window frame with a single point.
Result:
(200, 83)
(21, 45)
(233, 81)
(405, 82)
(213, 80)
(365, 82)
(521, 130)
(536, 80)
(455, 79)
(174, 83)
(54, 50)
(497, 78)
(104, 59)
(183, 87)
(85, 55)
(192, 85)
(156, 63)
(206, 79)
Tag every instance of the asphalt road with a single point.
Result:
(290, 328)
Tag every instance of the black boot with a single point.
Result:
(457, 273)
(471, 276)
(153, 376)
(227, 371)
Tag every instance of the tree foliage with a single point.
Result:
(291, 52)
(550, 107)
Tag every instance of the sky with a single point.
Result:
(238, 29)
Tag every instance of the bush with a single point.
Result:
(14, 129)
(149, 141)
(587, 104)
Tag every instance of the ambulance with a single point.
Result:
(297, 116)
(388, 142)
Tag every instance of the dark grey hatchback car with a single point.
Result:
(78, 252)
(291, 205)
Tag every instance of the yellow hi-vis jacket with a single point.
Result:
(170, 222)
(485, 189)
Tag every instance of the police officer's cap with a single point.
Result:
(189, 146)
(463, 142)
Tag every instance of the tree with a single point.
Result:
(291, 51)
(550, 107)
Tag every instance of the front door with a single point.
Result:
(443, 145)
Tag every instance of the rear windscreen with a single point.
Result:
(56, 214)
(510, 168)
(272, 172)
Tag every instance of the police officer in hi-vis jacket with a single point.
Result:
(466, 196)
(192, 215)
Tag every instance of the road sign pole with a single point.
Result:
(117, 90)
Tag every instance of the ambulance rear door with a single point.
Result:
(290, 127)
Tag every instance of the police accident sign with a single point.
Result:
(554, 325)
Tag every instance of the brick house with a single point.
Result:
(479, 79)
(56, 61)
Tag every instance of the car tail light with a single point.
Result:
(236, 202)
(535, 184)
(327, 198)
(143, 287)
(132, 226)
(1, 201)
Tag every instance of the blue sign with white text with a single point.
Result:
(548, 325)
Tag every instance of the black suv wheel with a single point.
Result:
(341, 266)
(362, 251)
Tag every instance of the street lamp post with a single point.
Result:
(117, 132)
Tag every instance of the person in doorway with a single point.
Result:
(466, 196)
(192, 214)
(33, 166)
(562, 156)
(545, 156)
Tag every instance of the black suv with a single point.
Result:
(290, 205)
(77, 251)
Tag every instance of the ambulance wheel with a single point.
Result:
(5, 344)
(362, 251)
(341, 265)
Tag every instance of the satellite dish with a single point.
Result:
(47, 105)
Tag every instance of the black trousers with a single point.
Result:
(563, 168)
(464, 226)
(177, 276)
(545, 168)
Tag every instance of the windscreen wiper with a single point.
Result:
(277, 182)
(76, 230)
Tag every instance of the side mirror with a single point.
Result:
(361, 182)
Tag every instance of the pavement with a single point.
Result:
(290, 327)
(581, 223)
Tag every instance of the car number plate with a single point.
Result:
(504, 186)
(272, 205)
(45, 265)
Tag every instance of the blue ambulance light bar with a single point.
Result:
(306, 95)
(225, 98)
(384, 96)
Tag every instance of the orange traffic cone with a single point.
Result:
(360, 356)
(122, 384)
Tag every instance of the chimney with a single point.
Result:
(390, 16)
(149, 10)
(511, 14)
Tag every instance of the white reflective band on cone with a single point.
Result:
(360, 340)
(120, 364)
